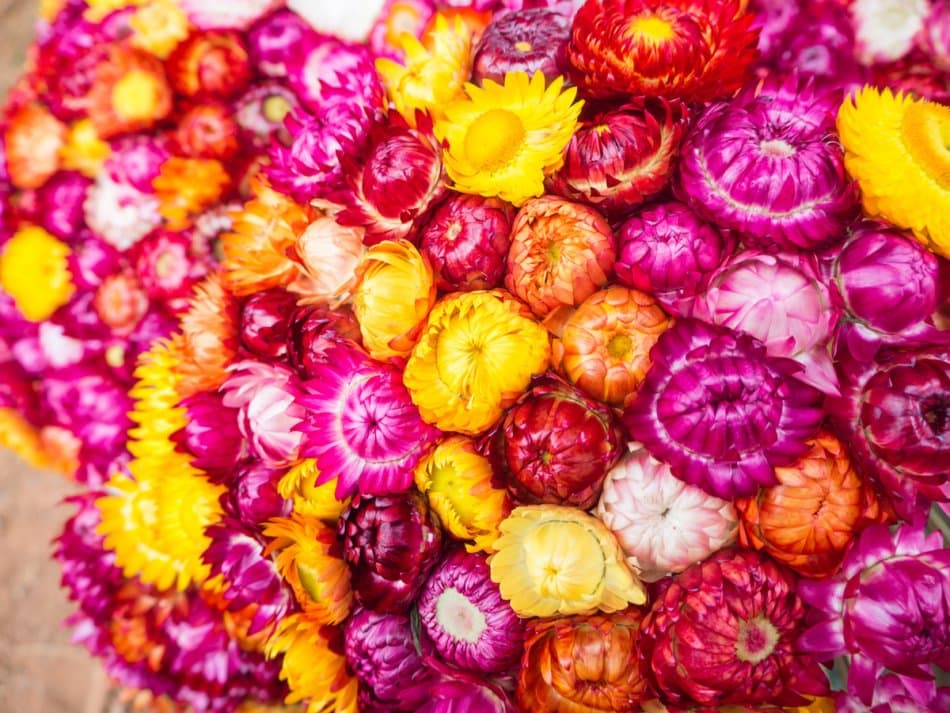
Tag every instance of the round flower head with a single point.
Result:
(254, 495)
(34, 271)
(208, 130)
(721, 411)
(62, 198)
(261, 110)
(887, 607)
(186, 187)
(662, 524)
(32, 140)
(505, 139)
(620, 157)
(130, 92)
(464, 695)
(313, 330)
(239, 15)
(528, 40)
(466, 240)
(394, 292)
(84, 151)
(767, 166)
(310, 560)
(209, 338)
(898, 693)
(360, 424)
(582, 663)
(557, 560)
(457, 481)
(167, 268)
(158, 27)
(264, 327)
(211, 64)
(687, 49)
(433, 74)
(742, 616)
(665, 250)
(604, 347)
(474, 358)
(273, 40)
(119, 213)
(211, 433)
(885, 29)
(561, 253)
(893, 149)
(326, 254)
(137, 161)
(391, 543)
(462, 612)
(809, 518)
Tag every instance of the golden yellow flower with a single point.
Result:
(309, 558)
(457, 481)
(299, 484)
(432, 77)
(314, 666)
(555, 560)
(19, 436)
(186, 187)
(394, 292)
(34, 271)
(84, 151)
(98, 9)
(504, 139)
(49, 9)
(475, 357)
(158, 27)
(897, 148)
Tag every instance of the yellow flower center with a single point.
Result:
(926, 131)
(619, 346)
(494, 139)
(756, 640)
(275, 108)
(136, 96)
(523, 46)
(652, 28)
(564, 560)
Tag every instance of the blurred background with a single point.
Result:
(40, 671)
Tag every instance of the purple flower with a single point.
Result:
(61, 199)
(211, 434)
(253, 495)
(272, 42)
(464, 695)
(898, 693)
(91, 261)
(265, 323)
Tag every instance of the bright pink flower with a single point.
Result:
(264, 326)
(166, 267)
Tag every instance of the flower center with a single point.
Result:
(619, 346)
(459, 617)
(936, 413)
(652, 28)
(926, 132)
(493, 139)
(136, 95)
(523, 46)
(757, 639)
(564, 560)
(777, 148)
(275, 108)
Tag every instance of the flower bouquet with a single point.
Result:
(490, 356)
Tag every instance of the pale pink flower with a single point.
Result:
(328, 254)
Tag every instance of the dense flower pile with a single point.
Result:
(490, 356)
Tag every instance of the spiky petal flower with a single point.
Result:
(556, 445)
(811, 516)
(186, 187)
(620, 157)
(361, 426)
(738, 412)
(887, 607)
(208, 338)
(309, 499)
(604, 347)
(662, 524)
(267, 397)
(475, 357)
(687, 49)
(457, 481)
(526, 40)
(665, 250)
(34, 271)
(391, 543)
(741, 615)
(767, 165)
(380, 651)
(561, 253)
(314, 330)
(505, 139)
(893, 150)
(582, 663)
(557, 560)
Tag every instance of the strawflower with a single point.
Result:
(186, 187)
(309, 499)
(130, 92)
(209, 65)
(527, 40)
(158, 26)
(35, 272)
(327, 255)
(208, 337)
(32, 139)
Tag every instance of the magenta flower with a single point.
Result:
(261, 110)
(211, 434)
(527, 40)
(267, 398)
(467, 695)
(136, 161)
(253, 497)
(272, 42)
(721, 411)
(898, 693)
(91, 261)
(888, 607)
(323, 70)
(165, 266)
(361, 426)
(464, 615)
(61, 201)
(314, 330)
(264, 326)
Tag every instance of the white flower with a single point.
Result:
(120, 214)
(885, 29)
(347, 19)
(227, 14)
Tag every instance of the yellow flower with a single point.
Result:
(299, 484)
(433, 77)
(17, 435)
(159, 26)
(186, 187)
(154, 517)
(307, 558)
(555, 560)
(98, 9)
(394, 292)
(34, 271)
(84, 151)
(504, 139)
(314, 666)
(49, 9)
(898, 149)
(457, 481)
(476, 356)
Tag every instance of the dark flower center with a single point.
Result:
(936, 413)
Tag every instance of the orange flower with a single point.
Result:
(129, 92)
(208, 338)
(34, 138)
(187, 186)
(605, 345)
(255, 253)
(810, 517)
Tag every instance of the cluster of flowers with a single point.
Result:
(561, 356)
